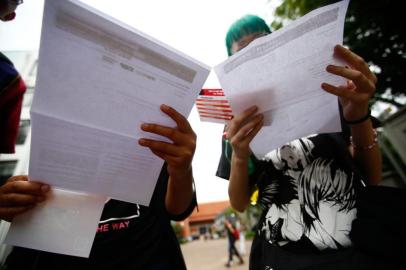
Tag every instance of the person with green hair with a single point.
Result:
(245, 30)
(241, 33)
(304, 225)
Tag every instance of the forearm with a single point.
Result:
(369, 159)
(179, 192)
(238, 189)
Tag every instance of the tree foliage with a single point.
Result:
(374, 29)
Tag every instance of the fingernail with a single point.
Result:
(144, 126)
(329, 67)
(164, 107)
(142, 141)
(45, 188)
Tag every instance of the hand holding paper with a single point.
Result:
(65, 223)
(360, 87)
(98, 81)
(281, 74)
(242, 129)
(18, 195)
(179, 152)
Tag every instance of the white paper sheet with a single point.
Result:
(282, 72)
(65, 223)
(98, 80)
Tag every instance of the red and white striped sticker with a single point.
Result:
(213, 106)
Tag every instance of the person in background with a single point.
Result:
(308, 187)
(12, 89)
(232, 236)
(241, 228)
(17, 195)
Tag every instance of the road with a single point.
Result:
(211, 255)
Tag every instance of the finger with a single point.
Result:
(18, 199)
(159, 146)
(357, 77)
(159, 154)
(355, 61)
(26, 187)
(254, 131)
(7, 213)
(245, 130)
(240, 119)
(180, 120)
(168, 132)
(172, 160)
(350, 85)
(343, 92)
(18, 178)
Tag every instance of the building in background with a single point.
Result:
(200, 223)
(393, 146)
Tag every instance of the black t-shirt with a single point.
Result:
(129, 236)
(307, 190)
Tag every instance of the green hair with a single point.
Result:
(246, 25)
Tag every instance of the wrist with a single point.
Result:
(358, 118)
(363, 147)
(184, 173)
(239, 160)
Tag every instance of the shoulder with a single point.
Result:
(4, 58)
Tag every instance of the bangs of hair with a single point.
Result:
(244, 26)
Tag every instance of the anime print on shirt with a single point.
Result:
(307, 191)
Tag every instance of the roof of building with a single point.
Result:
(208, 211)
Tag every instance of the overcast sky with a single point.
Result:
(196, 27)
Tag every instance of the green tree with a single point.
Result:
(374, 29)
(178, 232)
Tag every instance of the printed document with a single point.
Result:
(98, 81)
(65, 223)
(282, 74)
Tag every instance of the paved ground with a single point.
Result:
(211, 255)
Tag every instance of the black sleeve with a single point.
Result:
(158, 198)
(224, 167)
(345, 128)
(188, 211)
